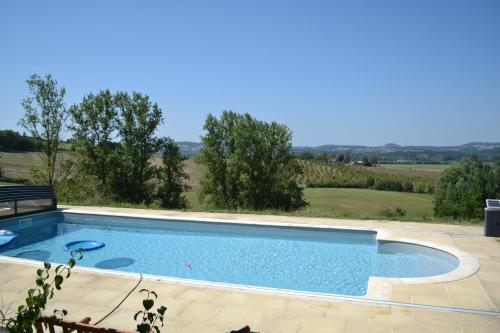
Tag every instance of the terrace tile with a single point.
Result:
(192, 308)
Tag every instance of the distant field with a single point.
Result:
(315, 172)
(326, 202)
(354, 203)
(421, 170)
(16, 165)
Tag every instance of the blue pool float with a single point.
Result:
(83, 245)
(6, 236)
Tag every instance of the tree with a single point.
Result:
(307, 156)
(13, 141)
(44, 118)
(93, 124)
(171, 176)
(461, 190)
(249, 163)
(322, 156)
(132, 171)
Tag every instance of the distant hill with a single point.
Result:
(391, 152)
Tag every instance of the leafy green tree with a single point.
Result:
(249, 163)
(13, 141)
(44, 118)
(322, 156)
(307, 156)
(132, 171)
(171, 176)
(93, 123)
(461, 190)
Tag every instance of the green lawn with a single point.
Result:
(363, 203)
(354, 203)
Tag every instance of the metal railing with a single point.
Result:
(26, 194)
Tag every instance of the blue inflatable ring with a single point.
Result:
(6, 236)
(83, 245)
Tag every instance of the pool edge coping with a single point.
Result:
(379, 288)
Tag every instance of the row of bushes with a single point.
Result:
(349, 176)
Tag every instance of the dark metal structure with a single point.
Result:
(492, 218)
(22, 200)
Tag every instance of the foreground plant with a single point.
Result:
(36, 301)
(148, 318)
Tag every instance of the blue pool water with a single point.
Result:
(302, 259)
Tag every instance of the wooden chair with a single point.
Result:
(81, 326)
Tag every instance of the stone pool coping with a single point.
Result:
(379, 288)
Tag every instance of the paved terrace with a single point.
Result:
(470, 304)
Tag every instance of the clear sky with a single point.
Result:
(421, 72)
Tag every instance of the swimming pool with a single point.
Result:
(319, 260)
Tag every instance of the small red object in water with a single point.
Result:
(188, 265)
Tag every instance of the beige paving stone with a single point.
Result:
(391, 315)
(279, 303)
(348, 311)
(278, 322)
(265, 301)
(103, 296)
(234, 316)
(307, 308)
(411, 328)
(231, 298)
(372, 327)
(433, 294)
(164, 289)
(401, 293)
(469, 293)
(473, 323)
(202, 327)
(200, 311)
(322, 325)
(437, 319)
(199, 294)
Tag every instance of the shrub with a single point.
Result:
(461, 190)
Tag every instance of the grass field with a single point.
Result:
(354, 203)
(16, 165)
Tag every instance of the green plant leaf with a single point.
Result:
(58, 280)
(161, 310)
(143, 328)
(148, 303)
(71, 263)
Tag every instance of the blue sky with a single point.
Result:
(342, 72)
